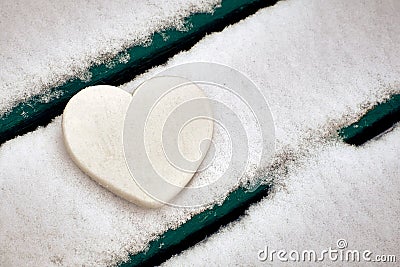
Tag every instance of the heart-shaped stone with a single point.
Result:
(168, 131)
(93, 128)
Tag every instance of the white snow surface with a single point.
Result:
(320, 64)
(342, 192)
(43, 42)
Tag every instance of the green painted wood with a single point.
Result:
(172, 242)
(374, 122)
(198, 227)
(40, 109)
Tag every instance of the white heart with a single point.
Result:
(93, 128)
(167, 121)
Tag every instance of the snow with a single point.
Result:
(320, 64)
(314, 61)
(54, 211)
(342, 192)
(43, 43)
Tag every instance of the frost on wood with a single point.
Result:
(44, 43)
(342, 192)
(317, 64)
